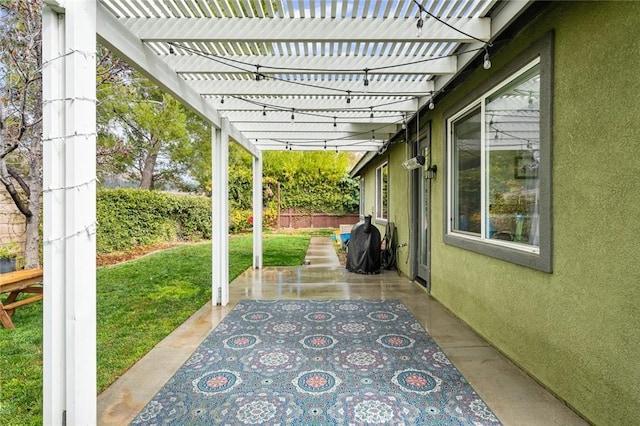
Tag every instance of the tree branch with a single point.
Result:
(22, 206)
(14, 174)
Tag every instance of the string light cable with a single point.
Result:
(486, 61)
(329, 114)
(90, 231)
(230, 62)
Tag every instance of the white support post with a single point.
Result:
(69, 219)
(220, 215)
(257, 211)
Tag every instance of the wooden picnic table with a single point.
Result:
(14, 283)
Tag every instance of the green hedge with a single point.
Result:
(129, 218)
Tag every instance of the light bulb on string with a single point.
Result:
(293, 116)
(373, 136)
(419, 25)
(325, 145)
(264, 111)
(487, 62)
(222, 100)
(336, 149)
(371, 115)
(348, 98)
(366, 80)
(431, 104)
(335, 123)
(258, 75)
(171, 50)
(404, 121)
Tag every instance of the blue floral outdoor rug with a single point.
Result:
(349, 362)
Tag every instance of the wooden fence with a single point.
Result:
(295, 219)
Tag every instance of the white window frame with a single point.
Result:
(379, 210)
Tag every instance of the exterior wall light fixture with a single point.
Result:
(430, 173)
(413, 163)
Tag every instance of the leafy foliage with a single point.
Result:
(129, 218)
(306, 181)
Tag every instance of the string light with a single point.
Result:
(419, 25)
(77, 187)
(487, 62)
(348, 97)
(171, 50)
(74, 99)
(264, 110)
(89, 230)
(431, 104)
(404, 121)
(371, 115)
(293, 116)
(366, 80)
(222, 100)
(84, 53)
(229, 62)
(258, 75)
(74, 135)
(325, 145)
(335, 123)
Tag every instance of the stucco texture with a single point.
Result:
(576, 330)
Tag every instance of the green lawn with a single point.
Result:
(139, 303)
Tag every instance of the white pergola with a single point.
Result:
(270, 75)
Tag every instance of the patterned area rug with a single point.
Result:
(349, 362)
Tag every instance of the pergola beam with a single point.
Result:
(279, 30)
(315, 104)
(271, 87)
(259, 117)
(302, 128)
(385, 65)
(331, 146)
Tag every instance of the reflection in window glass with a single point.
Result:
(466, 133)
(512, 155)
(494, 163)
(382, 183)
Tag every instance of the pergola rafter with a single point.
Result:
(310, 54)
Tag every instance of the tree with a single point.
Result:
(21, 114)
(140, 129)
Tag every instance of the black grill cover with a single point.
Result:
(363, 252)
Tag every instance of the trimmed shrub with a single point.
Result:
(129, 218)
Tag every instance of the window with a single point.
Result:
(499, 165)
(382, 192)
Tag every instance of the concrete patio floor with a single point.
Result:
(515, 398)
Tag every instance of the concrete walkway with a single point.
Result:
(322, 253)
(515, 398)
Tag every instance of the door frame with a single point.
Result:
(421, 272)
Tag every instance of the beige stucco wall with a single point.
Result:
(12, 222)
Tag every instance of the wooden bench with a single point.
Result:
(14, 283)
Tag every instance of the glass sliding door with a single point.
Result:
(422, 227)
